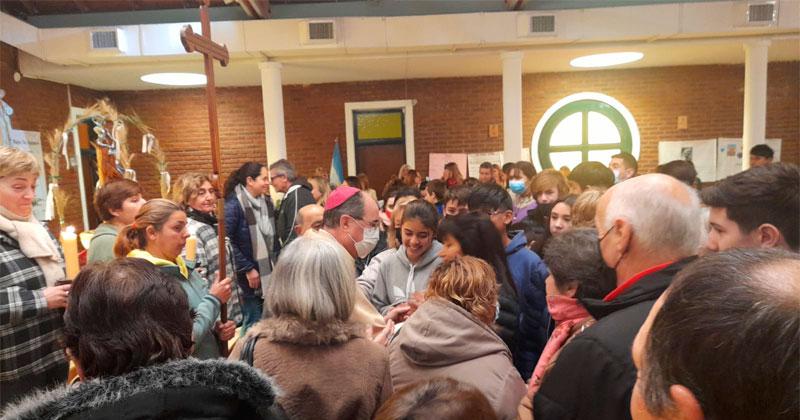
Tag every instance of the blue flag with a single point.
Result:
(337, 173)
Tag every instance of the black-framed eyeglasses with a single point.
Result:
(605, 234)
(272, 178)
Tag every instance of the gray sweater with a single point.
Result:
(396, 278)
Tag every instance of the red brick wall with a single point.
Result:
(42, 106)
(451, 114)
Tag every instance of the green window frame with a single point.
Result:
(628, 135)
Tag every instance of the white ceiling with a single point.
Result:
(345, 68)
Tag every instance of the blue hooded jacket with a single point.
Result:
(529, 273)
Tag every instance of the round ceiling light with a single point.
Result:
(606, 60)
(175, 79)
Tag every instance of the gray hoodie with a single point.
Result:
(396, 278)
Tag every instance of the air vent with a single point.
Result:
(543, 24)
(320, 31)
(761, 13)
(102, 40)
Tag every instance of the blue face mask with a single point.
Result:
(517, 186)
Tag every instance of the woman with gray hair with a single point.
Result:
(323, 363)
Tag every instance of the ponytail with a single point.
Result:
(154, 213)
(239, 176)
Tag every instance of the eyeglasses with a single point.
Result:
(272, 178)
(605, 234)
(376, 224)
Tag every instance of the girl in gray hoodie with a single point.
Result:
(407, 270)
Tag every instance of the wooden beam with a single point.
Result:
(82, 7)
(29, 7)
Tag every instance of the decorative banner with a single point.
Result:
(475, 160)
(31, 141)
(436, 162)
(729, 155)
(702, 153)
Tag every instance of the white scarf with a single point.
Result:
(35, 243)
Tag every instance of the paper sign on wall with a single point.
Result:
(436, 162)
(702, 153)
(31, 141)
(475, 160)
(729, 155)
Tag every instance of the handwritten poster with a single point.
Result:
(31, 141)
(475, 160)
(702, 153)
(436, 162)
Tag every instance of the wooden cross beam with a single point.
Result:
(212, 51)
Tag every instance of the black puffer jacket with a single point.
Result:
(184, 389)
(594, 374)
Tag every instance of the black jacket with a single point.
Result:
(594, 374)
(180, 389)
(292, 202)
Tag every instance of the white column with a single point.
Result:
(754, 124)
(272, 98)
(512, 106)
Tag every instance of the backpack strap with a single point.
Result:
(249, 350)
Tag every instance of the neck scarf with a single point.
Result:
(160, 262)
(256, 213)
(207, 218)
(35, 243)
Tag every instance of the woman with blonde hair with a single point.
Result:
(158, 235)
(195, 193)
(321, 360)
(30, 301)
(450, 335)
(320, 189)
(585, 207)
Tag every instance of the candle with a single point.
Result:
(191, 248)
(86, 238)
(69, 243)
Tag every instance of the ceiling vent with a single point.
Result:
(318, 32)
(543, 25)
(107, 41)
(756, 13)
(536, 25)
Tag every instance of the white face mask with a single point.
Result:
(616, 175)
(368, 243)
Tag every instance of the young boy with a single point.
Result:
(529, 274)
(455, 201)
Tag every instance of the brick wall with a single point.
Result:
(451, 114)
(43, 106)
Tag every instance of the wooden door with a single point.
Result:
(380, 144)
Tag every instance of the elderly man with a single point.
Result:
(296, 195)
(649, 227)
(722, 342)
(757, 208)
(308, 218)
(351, 219)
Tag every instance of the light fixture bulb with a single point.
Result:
(606, 60)
(175, 79)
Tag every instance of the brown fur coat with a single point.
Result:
(324, 371)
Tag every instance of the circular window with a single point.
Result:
(583, 127)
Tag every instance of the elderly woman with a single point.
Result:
(30, 266)
(158, 235)
(129, 332)
(198, 197)
(451, 335)
(321, 361)
(117, 203)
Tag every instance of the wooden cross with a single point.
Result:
(212, 51)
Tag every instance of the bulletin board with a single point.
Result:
(729, 155)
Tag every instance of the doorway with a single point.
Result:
(379, 138)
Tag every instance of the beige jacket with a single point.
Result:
(327, 371)
(443, 339)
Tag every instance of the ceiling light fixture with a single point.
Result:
(606, 60)
(175, 79)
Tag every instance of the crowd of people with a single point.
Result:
(591, 293)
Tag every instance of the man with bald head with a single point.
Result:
(308, 218)
(649, 227)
